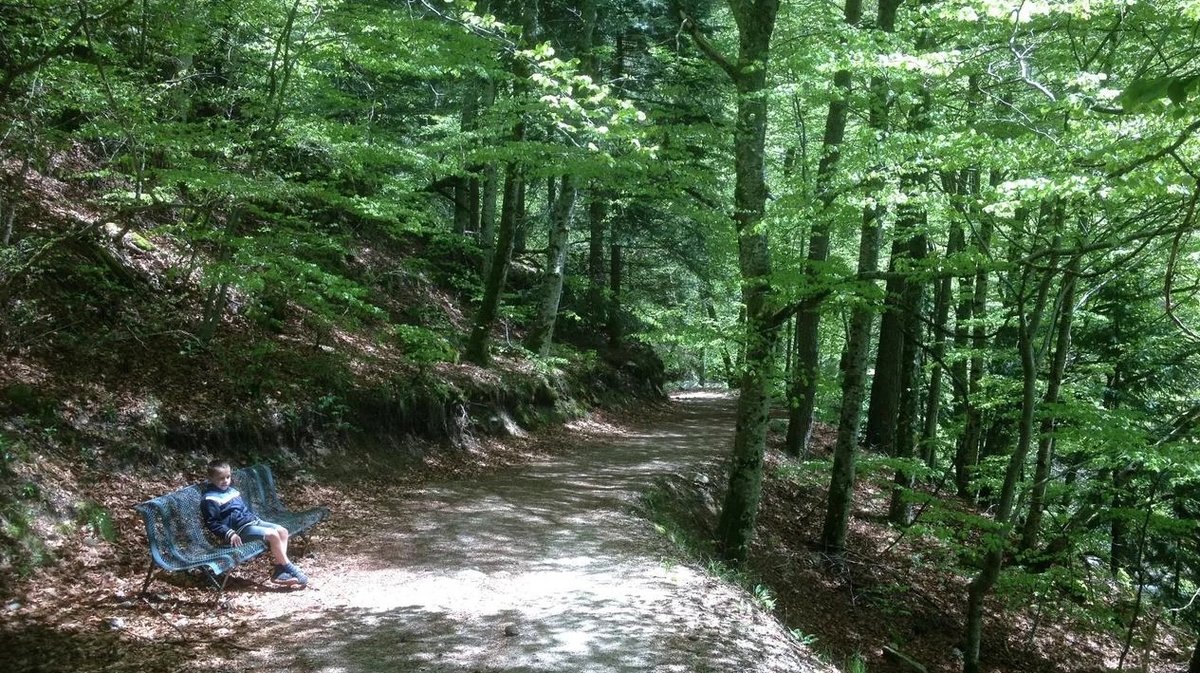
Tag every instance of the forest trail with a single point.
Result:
(541, 568)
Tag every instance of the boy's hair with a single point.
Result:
(215, 466)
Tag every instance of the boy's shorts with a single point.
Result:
(258, 529)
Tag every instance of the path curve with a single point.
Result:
(541, 568)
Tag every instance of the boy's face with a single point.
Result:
(221, 478)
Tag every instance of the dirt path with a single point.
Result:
(543, 568)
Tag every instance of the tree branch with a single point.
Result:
(708, 48)
(1170, 275)
(1184, 135)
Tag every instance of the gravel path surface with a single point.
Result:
(541, 568)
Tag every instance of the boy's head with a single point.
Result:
(220, 474)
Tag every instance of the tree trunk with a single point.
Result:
(1062, 346)
(488, 198)
(616, 329)
(511, 214)
(967, 453)
(912, 221)
(900, 509)
(982, 584)
(941, 313)
(520, 233)
(806, 369)
(885, 386)
(1027, 330)
(858, 340)
(541, 334)
(727, 366)
(466, 187)
(854, 379)
(597, 273)
(462, 205)
(756, 22)
(477, 345)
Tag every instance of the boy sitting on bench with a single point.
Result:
(228, 517)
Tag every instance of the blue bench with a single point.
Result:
(179, 540)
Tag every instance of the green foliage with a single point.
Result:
(96, 520)
(805, 639)
(423, 346)
(857, 663)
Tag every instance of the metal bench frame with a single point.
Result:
(179, 540)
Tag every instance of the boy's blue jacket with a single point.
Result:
(225, 512)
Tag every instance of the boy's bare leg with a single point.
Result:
(277, 540)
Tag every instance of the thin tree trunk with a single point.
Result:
(489, 197)
(806, 370)
(541, 334)
(977, 591)
(854, 379)
(597, 228)
(280, 70)
(616, 268)
(967, 454)
(1037, 499)
(941, 311)
(858, 340)
(477, 345)
(466, 187)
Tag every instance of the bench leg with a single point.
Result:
(149, 577)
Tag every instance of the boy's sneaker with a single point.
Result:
(300, 578)
(280, 575)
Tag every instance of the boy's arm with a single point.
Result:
(212, 520)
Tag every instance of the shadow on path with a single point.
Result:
(542, 569)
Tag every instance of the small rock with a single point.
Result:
(116, 623)
(13, 606)
(511, 630)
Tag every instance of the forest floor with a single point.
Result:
(535, 555)
(542, 567)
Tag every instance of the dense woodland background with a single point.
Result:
(958, 235)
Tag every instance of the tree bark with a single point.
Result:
(1045, 454)
(806, 369)
(900, 508)
(756, 22)
(616, 268)
(541, 334)
(854, 379)
(858, 341)
(886, 384)
(477, 344)
(912, 221)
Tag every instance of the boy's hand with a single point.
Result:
(235, 540)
